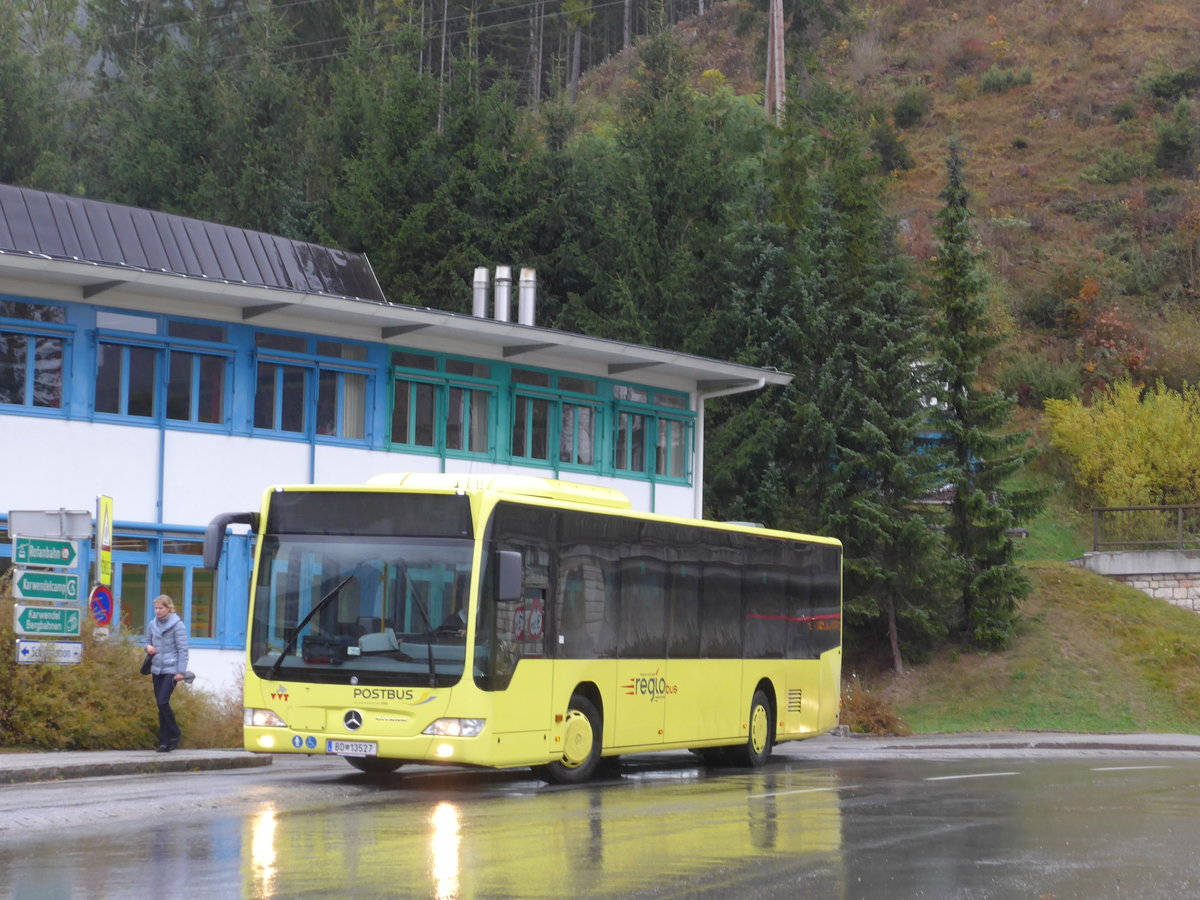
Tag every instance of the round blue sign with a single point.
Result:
(100, 602)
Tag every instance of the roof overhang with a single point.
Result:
(80, 280)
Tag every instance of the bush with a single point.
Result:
(864, 713)
(889, 145)
(911, 107)
(1173, 84)
(996, 80)
(1124, 111)
(100, 704)
(1034, 379)
(1178, 148)
(1115, 166)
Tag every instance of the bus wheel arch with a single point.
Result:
(583, 728)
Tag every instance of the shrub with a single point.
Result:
(1178, 148)
(1115, 166)
(1019, 143)
(1034, 379)
(1124, 111)
(1173, 84)
(865, 713)
(1132, 446)
(100, 704)
(911, 107)
(889, 145)
(996, 80)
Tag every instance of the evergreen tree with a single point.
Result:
(828, 297)
(989, 584)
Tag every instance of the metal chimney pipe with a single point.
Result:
(503, 297)
(527, 297)
(479, 293)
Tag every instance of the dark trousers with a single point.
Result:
(168, 729)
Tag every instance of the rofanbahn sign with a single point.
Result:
(30, 584)
(57, 621)
(29, 551)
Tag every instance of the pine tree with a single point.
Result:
(989, 583)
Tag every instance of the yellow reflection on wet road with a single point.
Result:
(263, 828)
(443, 847)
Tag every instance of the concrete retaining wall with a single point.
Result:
(1171, 575)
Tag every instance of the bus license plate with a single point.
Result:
(352, 748)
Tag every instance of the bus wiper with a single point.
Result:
(290, 644)
(402, 567)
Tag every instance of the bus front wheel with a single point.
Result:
(374, 765)
(581, 745)
(755, 752)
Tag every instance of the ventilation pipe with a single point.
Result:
(503, 294)
(479, 293)
(527, 297)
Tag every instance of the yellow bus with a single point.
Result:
(512, 621)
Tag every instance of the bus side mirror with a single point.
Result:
(214, 534)
(510, 576)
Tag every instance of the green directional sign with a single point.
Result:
(30, 584)
(59, 621)
(45, 552)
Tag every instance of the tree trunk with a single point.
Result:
(894, 638)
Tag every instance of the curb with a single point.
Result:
(64, 771)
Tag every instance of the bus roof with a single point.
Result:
(517, 485)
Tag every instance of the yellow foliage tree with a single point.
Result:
(1134, 446)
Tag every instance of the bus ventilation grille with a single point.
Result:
(794, 701)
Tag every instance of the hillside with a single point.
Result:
(1091, 655)
(1089, 216)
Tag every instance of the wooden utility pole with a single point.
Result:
(773, 95)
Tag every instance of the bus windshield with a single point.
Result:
(366, 608)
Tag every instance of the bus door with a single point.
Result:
(643, 688)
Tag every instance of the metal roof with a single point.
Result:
(142, 258)
(72, 228)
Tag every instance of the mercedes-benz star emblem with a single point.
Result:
(353, 720)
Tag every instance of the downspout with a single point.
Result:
(698, 471)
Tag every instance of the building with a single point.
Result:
(181, 367)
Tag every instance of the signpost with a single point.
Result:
(61, 653)
(60, 621)
(35, 584)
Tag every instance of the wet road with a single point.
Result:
(992, 825)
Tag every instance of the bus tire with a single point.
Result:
(374, 765)
(757, 749)
(581, 745)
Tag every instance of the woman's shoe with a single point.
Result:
(162, 748)
(172, 745)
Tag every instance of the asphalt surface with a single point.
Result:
(17, 767)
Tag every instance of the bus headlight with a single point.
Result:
(261, 718)
(456, 727)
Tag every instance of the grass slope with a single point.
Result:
(1092, 655)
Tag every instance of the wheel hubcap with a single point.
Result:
(758, 729)
(577, 739)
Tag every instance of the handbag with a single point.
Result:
(146, 664)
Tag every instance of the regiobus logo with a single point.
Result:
(649, 685)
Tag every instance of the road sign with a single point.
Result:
(100, 601)
(62, 621)
(51, 523)
(38, 551)
(60, 653)
(104, 539)
(31, 584)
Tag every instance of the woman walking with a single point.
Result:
(166, 642)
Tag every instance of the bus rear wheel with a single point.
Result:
(757, 749)
(581, 745)
(374, 765)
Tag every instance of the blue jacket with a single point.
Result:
(170, 641)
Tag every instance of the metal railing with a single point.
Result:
(1144, 527)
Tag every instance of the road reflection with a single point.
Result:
(610, 840)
